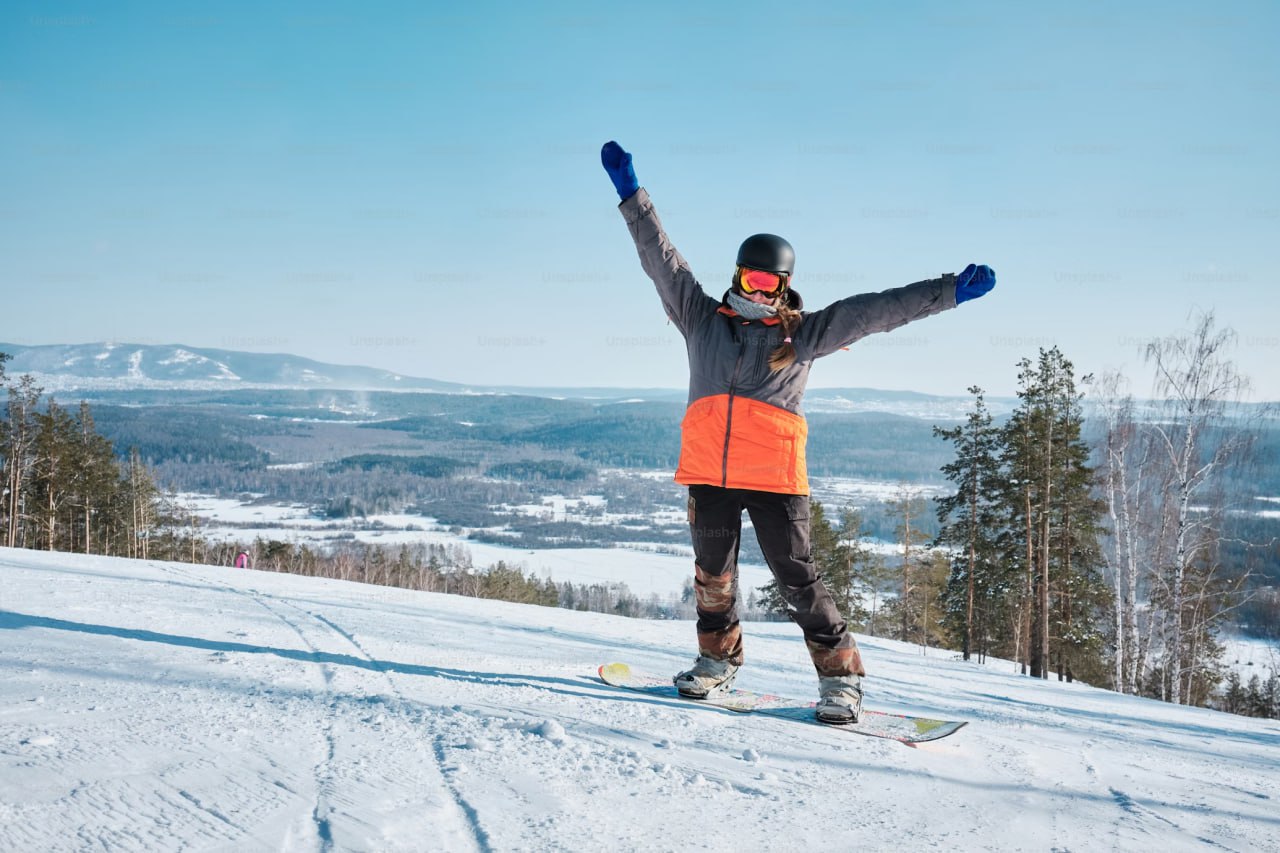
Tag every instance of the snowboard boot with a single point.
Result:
(840, 699)
(708, 676)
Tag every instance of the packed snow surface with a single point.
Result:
(162, 706)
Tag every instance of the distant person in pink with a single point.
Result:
(242, 560)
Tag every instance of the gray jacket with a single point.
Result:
(729, 375)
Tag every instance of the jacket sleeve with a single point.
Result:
(841, 323)
(682, 296)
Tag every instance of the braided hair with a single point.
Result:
(784, 355)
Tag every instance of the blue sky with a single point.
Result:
(420, 190)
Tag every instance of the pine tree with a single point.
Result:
(852, 578)
(935, 571)
(98, 476)
(1083, 598)
(907, 507)
(879, 576)
(969, 519)
(1269, 704)
(1234, 696)
(1255, 700)
(824, 543)
(1051, 522)
(1018, 502)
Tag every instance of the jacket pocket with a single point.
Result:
(755, 359)
(774, 432)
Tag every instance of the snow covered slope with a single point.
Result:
(150, 706)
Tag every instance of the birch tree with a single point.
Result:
(1200, 391)
(54, 470)
(18, 448)
(1116, 414)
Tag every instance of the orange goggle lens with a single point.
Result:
(765, 282)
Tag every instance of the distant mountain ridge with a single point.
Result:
(124, 365)
(112, 366)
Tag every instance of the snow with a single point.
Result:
(161, 706)
(1250, 656)
(844, 491)
(184, 357)
(636, 564)
(644, 572)
(587, 509)
(181, 356)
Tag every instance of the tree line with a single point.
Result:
(443, 568)
(1023, 529)
(1099, 548)
(63, 487)
(1109, 553)
(1014, 569)
(1255, 698)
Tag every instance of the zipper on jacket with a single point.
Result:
(728, 419)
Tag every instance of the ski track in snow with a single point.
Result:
(456, 832)
(149, 706)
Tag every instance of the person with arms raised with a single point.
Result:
(743, 433)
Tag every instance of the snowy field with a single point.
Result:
(645, 571)
(1250, 656)
(154, 706)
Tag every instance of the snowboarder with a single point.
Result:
(743, 434)
(242, 560)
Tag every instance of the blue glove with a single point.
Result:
(618, 164)
(974, 282)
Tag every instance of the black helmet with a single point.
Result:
(767, 252)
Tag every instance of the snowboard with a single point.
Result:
(899, 727)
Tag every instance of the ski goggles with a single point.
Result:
(759, 281)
